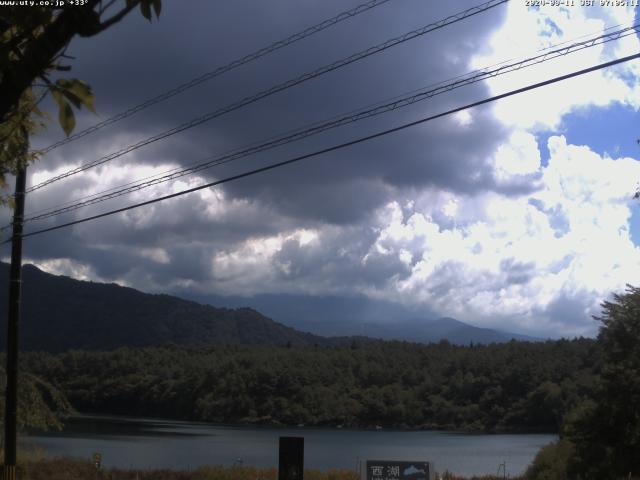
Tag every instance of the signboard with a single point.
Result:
(398, 470)
(291, 458)
(97, 459)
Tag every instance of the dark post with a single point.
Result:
(15, 283)
(503, 465)
(291, 458)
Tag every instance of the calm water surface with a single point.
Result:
(144, 443)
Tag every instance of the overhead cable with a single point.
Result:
(219, 71)
(337, 147)
(278, 88)
(397, 103)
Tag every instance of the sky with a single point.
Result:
(518, 214)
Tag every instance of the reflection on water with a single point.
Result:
(146, 443)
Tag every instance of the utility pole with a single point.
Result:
(15, 287)
(503, 465)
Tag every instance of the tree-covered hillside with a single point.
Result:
(512, 386)
(60, 313)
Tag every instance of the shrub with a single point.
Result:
(551, 462)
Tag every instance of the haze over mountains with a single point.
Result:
(60, 313)
(344, 316)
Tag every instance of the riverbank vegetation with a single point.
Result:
(41, 405)
(44, 468)
(500, 387)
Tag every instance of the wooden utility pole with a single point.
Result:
(15, 287)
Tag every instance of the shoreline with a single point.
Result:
(152, 443)
(278, 425)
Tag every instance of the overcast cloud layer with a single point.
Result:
(489, 216)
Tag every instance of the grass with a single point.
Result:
(72, 469)
(40, 467)
(451, 476)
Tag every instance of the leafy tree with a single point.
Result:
(33, 41)
(551, 462)
(425, 386)
(606, 431)
(41, 406)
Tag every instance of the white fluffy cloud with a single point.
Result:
(518, 157)
(518, 258)
(528, 31)
(543, 262)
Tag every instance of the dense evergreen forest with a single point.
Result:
(516, 386)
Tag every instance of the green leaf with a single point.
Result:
(58, 97)
(67, 118)
(72, 98)
(130, 3)
(78, 92)
(157, 7)
(39, 112)
(145, 8)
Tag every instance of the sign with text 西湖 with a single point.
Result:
(397, 470)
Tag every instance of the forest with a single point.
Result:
(587, 390)
(516, 386)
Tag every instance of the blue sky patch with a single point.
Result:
(552, 28)
(542, 140)
(634, 224)
(613, 131)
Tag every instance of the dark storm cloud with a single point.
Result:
(347, 264)
(111, 244)
(361, 178)
(136, 60)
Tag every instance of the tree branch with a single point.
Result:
(107, 6)
(116, 18)
(38, 55)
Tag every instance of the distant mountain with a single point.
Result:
(346, 316)
(434, 330)
(60, 313)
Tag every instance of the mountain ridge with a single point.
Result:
(341, 316)
(61, 313)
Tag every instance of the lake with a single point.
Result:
(150, 443)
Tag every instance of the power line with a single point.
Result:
(220, 70)
(433, 85)
(397, 103)
(340, 146)
(278, 88)
(179, 172)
